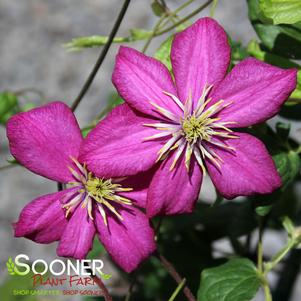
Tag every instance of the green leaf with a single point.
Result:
(138, 34)
(97, 250)
(86, 130)
(76, 44)
(157, 8)
(91, 41)
(297, 92)
(281, 11)
(213, 7)
(28, 106)
(238, 52)
(288, 225)
(12, 161)
(283, 40)
(236, 280)
(105, 276)
(163, 53)
(8, 106)
(263, 210)
(288, 166)
(8, 100)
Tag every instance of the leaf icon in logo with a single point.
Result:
(10, 266)
(105, 276)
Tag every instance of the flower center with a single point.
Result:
(100, 189)
(195, 128)
(104, 193)
(197, 131)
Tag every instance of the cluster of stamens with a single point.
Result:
(197, 131)
(102, 192)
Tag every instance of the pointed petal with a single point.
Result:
(247, 171)
(116, 147)
(257, 91)
(140, 79)
(77, 238)
(43, 220)
(176, 191)
(130, 241)
(43, 139)
(200, 56)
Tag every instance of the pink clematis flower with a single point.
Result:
(47, 141)
(183, 122)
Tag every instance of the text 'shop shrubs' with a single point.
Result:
(47, 141)
(185, 121)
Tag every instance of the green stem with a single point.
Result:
(260, 248)
(260, 266)
(153, 33)
(279, 256)
(178, 289)
(260, 256)
(174, 13)
(267, 291)
(213, 7)
(264, 268)
(8, 166)
(195, 12)
(182, 7)
(267, 267)
(128, 295)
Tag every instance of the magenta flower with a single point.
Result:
(47, 141)
(185, 121)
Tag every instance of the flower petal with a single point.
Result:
(256, 89)
(176, 191)
(139, 183)
(43, 220)
(115, 148)
(130, 241)
(140, 79)
(200, 56)
(43, 139)
(248, 171)
(77, 238)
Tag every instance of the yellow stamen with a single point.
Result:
(92, 189)
(200, 130)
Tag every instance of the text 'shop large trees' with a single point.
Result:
(185, 121)
(47, 141)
